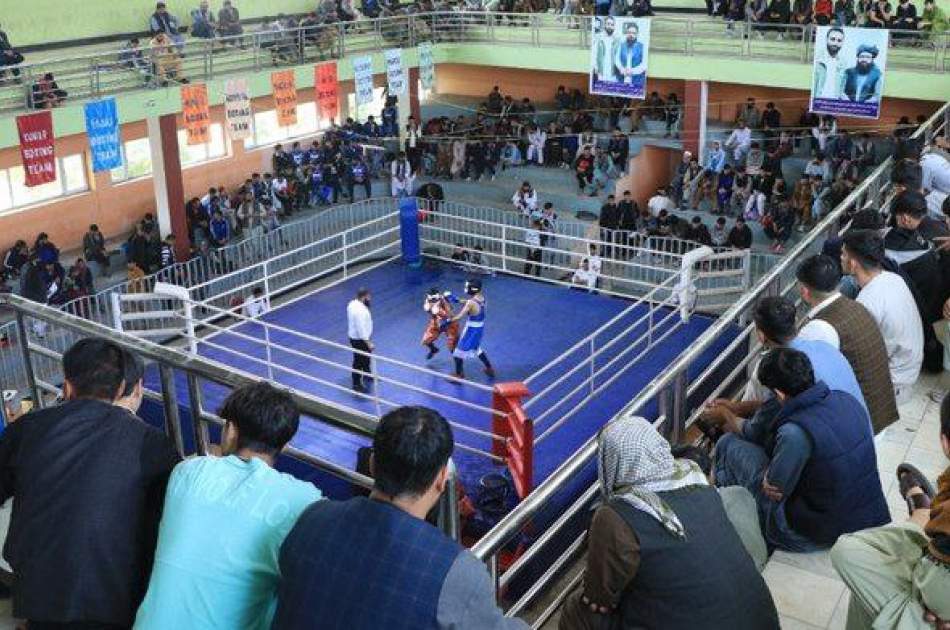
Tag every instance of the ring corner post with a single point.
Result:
(511, 423)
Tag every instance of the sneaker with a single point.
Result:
(490, 372)
(431, 354)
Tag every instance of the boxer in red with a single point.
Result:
(439, 307)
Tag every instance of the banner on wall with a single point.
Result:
(237, 109)
(37, 148)
(327, 90)
(395, 73)
(363, 77)
(426, 66)
(194, 110)
(285, 97)
(848, 73)
(102, 129)
(619, 51)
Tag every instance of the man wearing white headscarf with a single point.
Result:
(660, 538)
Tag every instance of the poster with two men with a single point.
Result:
(848, 73)
(620, 48)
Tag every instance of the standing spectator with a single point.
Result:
(166, 256)
(94, 248)
(402, 176)
(660, 537)
(609, 222)
(15, 258)
(219, 229)
(532, 241)
(359, 323)
(848, 326)
(44, 249)
(887, 297)
(659, 202)
(163, 22)
(899, 574)
(749, 115)
(672, 115)
(229, 20)
(408, 573)
(771, 123)
(82, 536)
(216, 559)
(525, 199)
(618, 148)
(202, 21)
(9, 56)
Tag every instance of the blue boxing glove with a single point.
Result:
(450, 298)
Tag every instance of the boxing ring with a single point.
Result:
(567, 359)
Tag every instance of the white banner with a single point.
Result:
(395, 73)
(848, 74)
(363, 77)
(619, 51)
(426, 66)
(237, 108)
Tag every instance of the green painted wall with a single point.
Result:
(140, 105)
(44, 21)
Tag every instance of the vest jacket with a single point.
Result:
(839, 490)
(710, 569)
(362, 565)
(863, 346)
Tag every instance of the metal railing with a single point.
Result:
(107, 72)
(672, 389)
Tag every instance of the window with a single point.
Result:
(137, 161)
(214, 148)
(371, 109)
(266, 131)
(70, 178)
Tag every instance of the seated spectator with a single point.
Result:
(166, 256)
(94, 248)
(660, 201)
(402, 176)
(905, 17)
(933, 20)
(257, 304)
(132, 57)
(719, 236)
(203, 24)
(46, 93)
(229, 20)
(879, 16)
(778, 12)
(739, 142)
(935, 167)
(813, 470)
(436, 582)
(216, 559)
(584, 276)
(844, 14)
(848, 326)
(54, 468)
(802, 12)
(525, 199)
(889, 300)
(165, 61)
(15, 258)
(584, 172)
(823, 13)
(778, 224)
(9, 57)
(163, 22)
(78, 281)
(661, 537)
(724, 189)
(899, 574)
(44, 250)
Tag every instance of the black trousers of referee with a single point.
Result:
(361, 365)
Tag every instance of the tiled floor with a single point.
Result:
(807, 591)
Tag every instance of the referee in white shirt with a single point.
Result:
(359, 324)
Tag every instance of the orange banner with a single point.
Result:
(285, 97)
(194, 109)
(327, 91)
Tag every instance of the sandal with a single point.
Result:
(909, 477)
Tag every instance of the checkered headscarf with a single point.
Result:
(634, 463)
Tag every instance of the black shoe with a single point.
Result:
(432, 353)
(490, 372)
(359, 388)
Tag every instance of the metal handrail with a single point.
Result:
(92, 75)
(488, 547)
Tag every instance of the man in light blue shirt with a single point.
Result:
(715, 159)
(224, 521)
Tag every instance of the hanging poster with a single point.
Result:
(194, 110)
(848, 72)
(237, 109)
(426, 66)
(285, 97)
(363, 77)
(327, 90)
(395, 73)
(102, 129)
(620, 48)
(37, 148)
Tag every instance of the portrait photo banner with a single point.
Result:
(285, 97)
(327, 90)
(426, 66)
(102, 129)
(237, 109)
(848, 72)
(619, 52)
(37, 148)
(363, 78)
(194, 110)
(395, 73)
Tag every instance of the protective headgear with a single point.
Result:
(473, 287)
(432, 299)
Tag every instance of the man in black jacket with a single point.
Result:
(627, 218)
(609, 221)
(88, 481)
(740, 236)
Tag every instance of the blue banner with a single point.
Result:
(102, 127)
